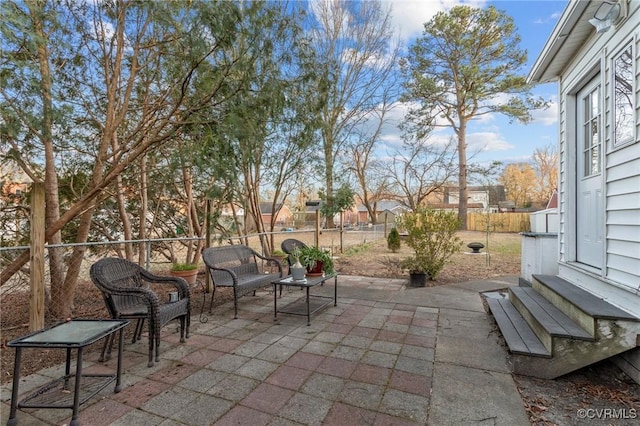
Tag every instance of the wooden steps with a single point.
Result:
(583, 300)
(542, 315)
(516, 332)
(553, 327)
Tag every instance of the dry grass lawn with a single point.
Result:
(374, 259)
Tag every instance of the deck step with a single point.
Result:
(549, 317)
(516, 332)
(588, 303)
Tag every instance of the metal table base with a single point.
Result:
(59, 393)
(311, 303)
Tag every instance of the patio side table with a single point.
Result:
(72, 334)
(309, 304)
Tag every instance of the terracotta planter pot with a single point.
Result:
(189, 276)
(317, 271)
(282, 261)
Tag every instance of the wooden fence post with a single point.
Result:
(36, 258)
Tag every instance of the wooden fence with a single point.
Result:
(499, 222)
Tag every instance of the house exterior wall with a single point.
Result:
(619, 279)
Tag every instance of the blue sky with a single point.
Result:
(494, 138)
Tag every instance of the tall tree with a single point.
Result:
(134, 75)
(419, 169)
(356, 59)
(467, 63)
(545, 164)
(372, 180)
(519, 182)
(270, 126)
(35, 44)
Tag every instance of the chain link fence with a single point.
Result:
(155, 255)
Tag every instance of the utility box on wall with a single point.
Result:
(539, 254)
(544, 221)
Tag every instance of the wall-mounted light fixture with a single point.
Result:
(606, 15)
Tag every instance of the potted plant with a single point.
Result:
(417, 270)
(432, 236)
(188, 271)
(297, 270)
(279, 254)
(315, 259)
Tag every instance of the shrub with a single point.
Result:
(393, 240)
(432, 236)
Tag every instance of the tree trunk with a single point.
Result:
(124, 217)
(328, 155)
(462, 174)
(52, 214)
(144, 206)
(191, 216)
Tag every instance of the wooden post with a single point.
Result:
(36, 258)
(207, 276)
(341, 232)
(317, 234)
(385, 223)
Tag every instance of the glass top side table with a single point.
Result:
(72, 334)
(309, 304)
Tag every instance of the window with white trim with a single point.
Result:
(623, 111)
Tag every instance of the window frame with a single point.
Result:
(616, 142)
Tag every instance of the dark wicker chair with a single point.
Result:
(236, 266)
(289, 245)
(125, 288)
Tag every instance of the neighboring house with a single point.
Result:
(480, 197)
(283, 215)
(472, 207)
(14, 217)
(389, 206)
(593, 54)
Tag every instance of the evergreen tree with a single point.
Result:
(468, 63)
(393, 240)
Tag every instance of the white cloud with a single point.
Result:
(546, 117)
(409, 16)
(517, 159)
(487, 142)
(391, 135)
(553, 18)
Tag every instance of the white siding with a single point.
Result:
(637, 70)
(619, 280)
(622, 163)
(562, 195)
(623, 194)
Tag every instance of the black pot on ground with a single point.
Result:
(417, 279)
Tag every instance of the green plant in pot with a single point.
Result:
(296, 269)
(188, 271)
(311, 257)
(176, 267)
(432, 236)
(277, 253)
